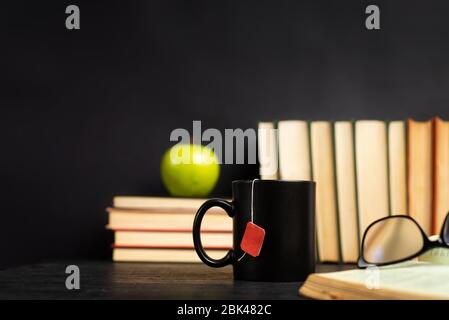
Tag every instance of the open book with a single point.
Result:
(409, 280)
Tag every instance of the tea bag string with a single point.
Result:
(252, 212)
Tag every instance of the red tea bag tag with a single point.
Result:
(252, 239)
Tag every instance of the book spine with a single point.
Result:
(337, 210)
(387, 161)
(268, 150)
(433, 223)
(309, 129)
(359, 235)
(409, 169)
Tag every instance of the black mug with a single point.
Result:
(286, 210)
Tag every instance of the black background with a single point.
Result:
(87, 114)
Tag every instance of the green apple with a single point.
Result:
(189, 170)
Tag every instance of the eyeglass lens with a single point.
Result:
(391, 240)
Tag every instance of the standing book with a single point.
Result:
(267, 151)
(420, 167)
(371, 171)
(326, 203)
(441, 173)
(294, 150)
(397, 163)
(346, 190)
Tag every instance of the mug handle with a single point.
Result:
(229, 257)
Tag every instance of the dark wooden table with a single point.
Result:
(108, 280)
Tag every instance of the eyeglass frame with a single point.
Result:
(427, 243)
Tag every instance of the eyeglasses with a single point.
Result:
(395, 239)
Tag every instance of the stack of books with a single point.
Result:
(154, 229)
(364, 170)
